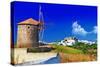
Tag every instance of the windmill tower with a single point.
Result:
(29, 32)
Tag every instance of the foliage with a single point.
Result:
(77, 52)
(85, 47)
(94, 46)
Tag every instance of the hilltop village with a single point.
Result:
(69, 41)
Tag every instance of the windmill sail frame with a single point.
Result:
(41, 20)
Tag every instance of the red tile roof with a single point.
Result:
(29, 21)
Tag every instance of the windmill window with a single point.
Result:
(28, 27)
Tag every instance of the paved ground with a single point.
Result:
(21, 56)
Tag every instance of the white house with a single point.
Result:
(68, 41)
(86, 42)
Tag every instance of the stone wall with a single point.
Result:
(21, 56)
(27, 36)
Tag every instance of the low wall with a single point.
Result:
(21, 56)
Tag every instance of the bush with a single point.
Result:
(84, 47)
(94, 46)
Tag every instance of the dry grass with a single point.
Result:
(76, 57)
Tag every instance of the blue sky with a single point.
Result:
(60, 20)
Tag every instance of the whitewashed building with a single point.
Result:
(68, 41)
(86, 42)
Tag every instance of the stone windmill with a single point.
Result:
(28, 32)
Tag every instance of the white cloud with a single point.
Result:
(77, 29)
(95, 29)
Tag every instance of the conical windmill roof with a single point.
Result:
(29, 21)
